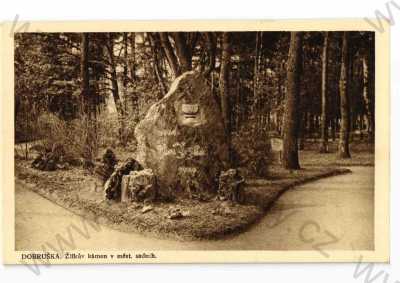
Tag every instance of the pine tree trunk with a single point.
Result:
(114, 87)
(114, 78)
(290, 157)
(85, 94)
(211, 42)
(324, 123)
(344, 135)
(302, 130)
(371, 91)
(155, 48)
(132, 57)
(223, 82)
(255, 110)
(169, 52)
(366, 95)
(126, 61)
(183, 51)
(89, 106)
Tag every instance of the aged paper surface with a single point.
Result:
(158, 250)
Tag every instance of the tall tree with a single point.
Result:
(183, 51)
(324, 122)
(126, 61)
(85, 93)
(344, 135)
(211, 42)
(224, 81)
(156, 51)
(366, 94)
(290, 157)
(178, 49)
(169, 52)
(113, 72)
(257, 59)
(371, 81)
(132, 58)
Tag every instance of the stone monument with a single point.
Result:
(182, 139)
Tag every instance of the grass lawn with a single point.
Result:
(362, 154)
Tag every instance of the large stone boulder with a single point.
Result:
(182, 136)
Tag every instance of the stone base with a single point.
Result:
(139, 186)
(112, 187)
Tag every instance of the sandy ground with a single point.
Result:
(335, 212)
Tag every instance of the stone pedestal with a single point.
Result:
(139, 186)
(112, 187)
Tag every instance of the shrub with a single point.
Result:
(251, 151)
(78, 137)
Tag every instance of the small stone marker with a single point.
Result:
(277, 146)
(231, 186)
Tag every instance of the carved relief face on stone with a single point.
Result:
(190, 113)
(189, 100)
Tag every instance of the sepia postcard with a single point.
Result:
(195, 141)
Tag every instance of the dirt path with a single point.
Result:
(338, 210)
